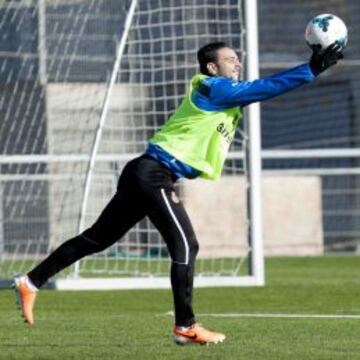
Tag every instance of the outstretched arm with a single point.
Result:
(229, 93)
(226, 93)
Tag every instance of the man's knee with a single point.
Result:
(193, 248)
(92, 242)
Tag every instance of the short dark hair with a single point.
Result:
(208, 53)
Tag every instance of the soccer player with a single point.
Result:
(193, 143)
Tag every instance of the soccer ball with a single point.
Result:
(325, 29)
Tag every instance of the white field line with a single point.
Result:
(283, 316)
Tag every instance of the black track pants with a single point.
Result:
(145, 188)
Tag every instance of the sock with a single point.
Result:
(30, 284)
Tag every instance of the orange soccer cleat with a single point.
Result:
(196, 334)
(25, 297)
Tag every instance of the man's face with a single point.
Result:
(227, 65)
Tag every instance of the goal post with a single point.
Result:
(254, 148)
(255, 252)
(114, 72)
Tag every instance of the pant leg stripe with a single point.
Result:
(186, 244)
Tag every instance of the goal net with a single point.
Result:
(84, 84)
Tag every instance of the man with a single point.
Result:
(194, 142)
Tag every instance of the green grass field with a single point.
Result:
(132, 324)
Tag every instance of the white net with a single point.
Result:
(56, 60)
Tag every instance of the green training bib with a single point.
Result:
(197, 137)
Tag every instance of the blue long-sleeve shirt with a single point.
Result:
(219, 93)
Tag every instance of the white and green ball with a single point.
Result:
(324, 30)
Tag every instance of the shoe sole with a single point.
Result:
(17, 294)
(181, 340)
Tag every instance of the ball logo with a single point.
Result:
(323, 22)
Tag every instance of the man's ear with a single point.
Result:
(212, 68)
